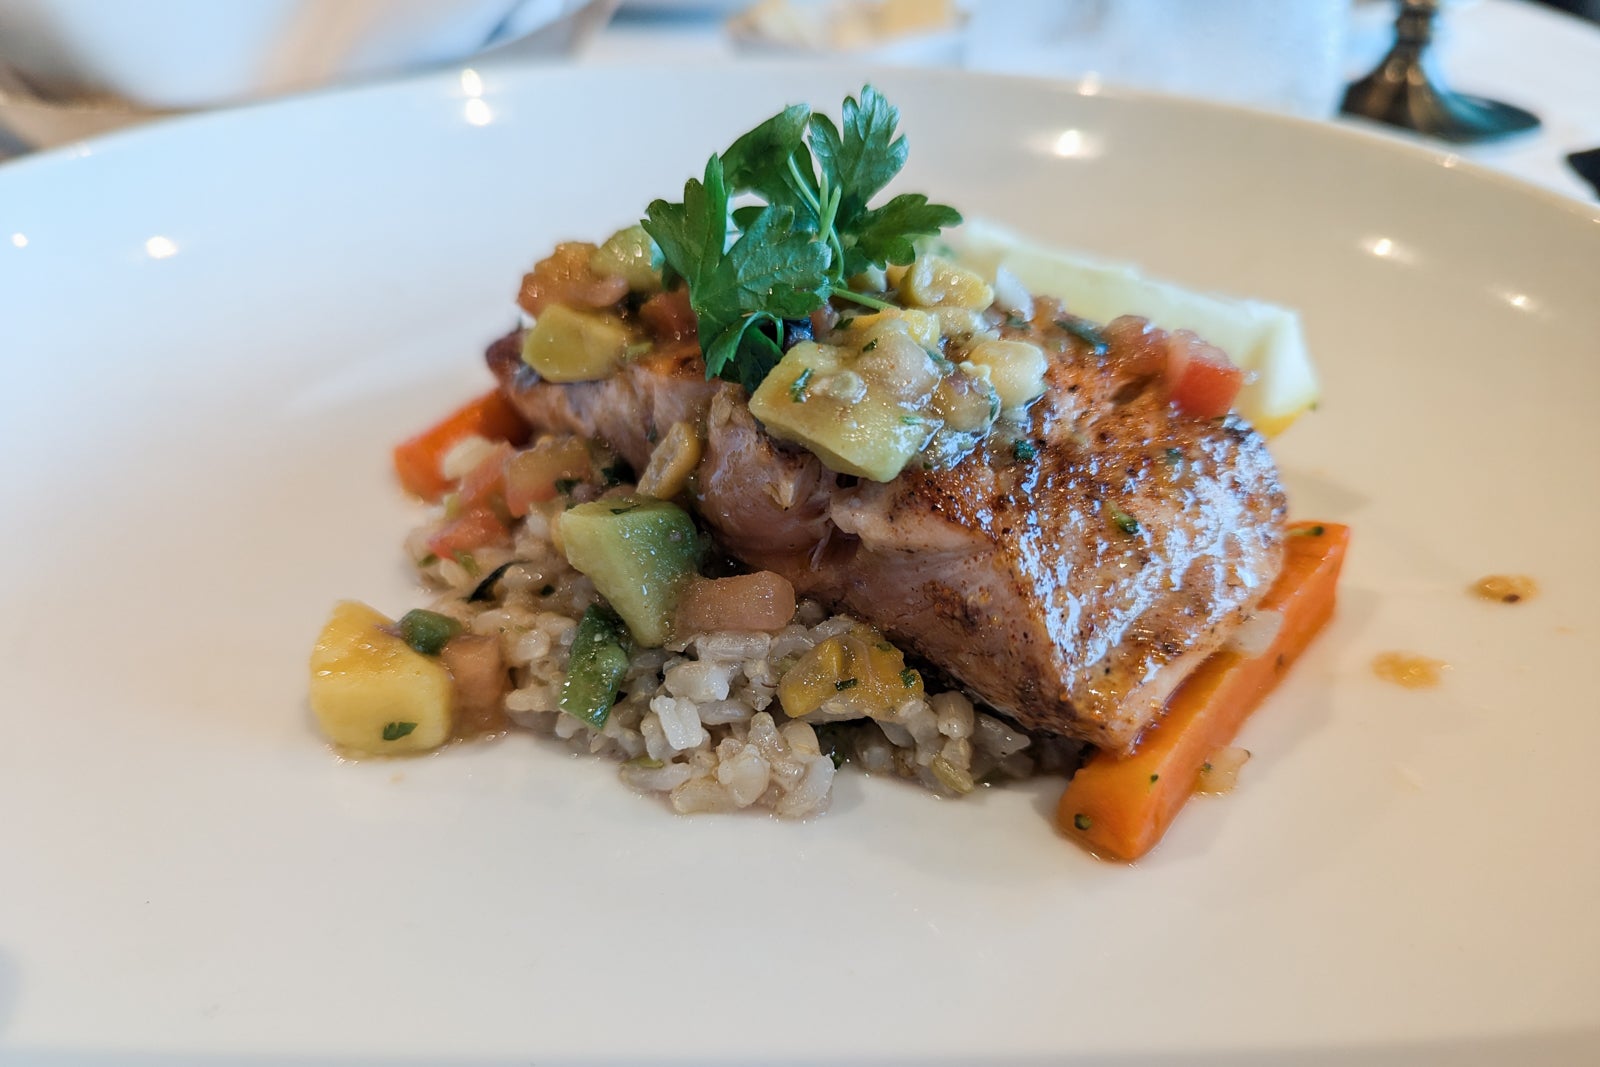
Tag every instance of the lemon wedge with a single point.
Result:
(1264, 340)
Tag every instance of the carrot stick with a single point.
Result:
(1119, 806)
(417, 459)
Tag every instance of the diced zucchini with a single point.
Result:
(565, 345)
(371, 692)
(873, 436)
(639, 552)
(630, 254)
(595, 668)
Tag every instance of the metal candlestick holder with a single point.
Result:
(1401, 92)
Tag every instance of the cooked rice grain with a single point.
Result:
(698, 721)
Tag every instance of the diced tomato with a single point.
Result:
(532, 475)
(472, 529)
(668, 315)
(565, 277)
(760, 601)
(487, 480)
(1204, 381)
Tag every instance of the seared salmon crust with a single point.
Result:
(1070, 571)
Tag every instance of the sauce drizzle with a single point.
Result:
(1409, 670)
(1507, 588)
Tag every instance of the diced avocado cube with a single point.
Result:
(869, 432)
(631, 254)
(566, 345)
(639, 552)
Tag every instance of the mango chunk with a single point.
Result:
(372, 693)
(859, 669)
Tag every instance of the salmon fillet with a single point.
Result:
(1069, 572)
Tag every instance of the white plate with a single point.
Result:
(214, 330)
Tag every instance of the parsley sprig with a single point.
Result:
(752, 267)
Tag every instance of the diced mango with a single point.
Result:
(921, 326)
(1016, 369)
(934, 281)
(371, 692)
(859, 667)
(672, 462)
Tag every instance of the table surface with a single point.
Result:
(1511, 50)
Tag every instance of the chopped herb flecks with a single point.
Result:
(1025, 450)
(1123, 521)
(797, 391)
(844, 683)
(1085, 332)
(1082, 822)
(394, 731)
(908, 677)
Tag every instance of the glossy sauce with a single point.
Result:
(1507, 588)
(1408, 669)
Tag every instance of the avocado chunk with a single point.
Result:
(639, 552)
(863, 411)
(566, 345)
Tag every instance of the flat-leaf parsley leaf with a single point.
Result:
(750, 268)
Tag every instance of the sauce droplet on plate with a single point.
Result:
(1507, 588)
(1408, 669)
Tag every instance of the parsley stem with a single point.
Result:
(863, 299)
(804, 188)
(832, 213)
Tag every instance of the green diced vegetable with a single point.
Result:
(868, 435)
(427, 631)
(631, 254)
(595, 669)
(639, 552)
(565, 345)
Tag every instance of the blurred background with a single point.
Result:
(73, 68)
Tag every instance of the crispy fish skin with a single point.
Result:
(1070, 571)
